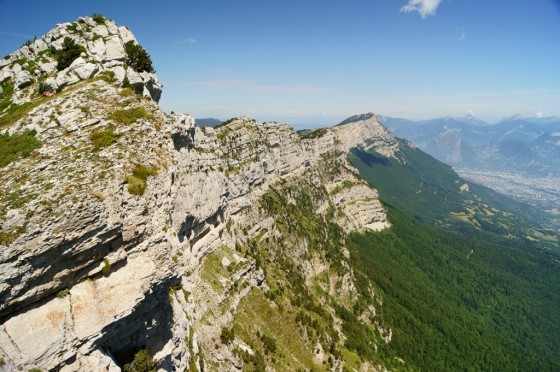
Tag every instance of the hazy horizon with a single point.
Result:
(316, 63)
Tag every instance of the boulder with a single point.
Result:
(97, 49)
(23, 79)
(115, 49)
(126, 35)
(66, 77)
(100, 30)
(85, 70)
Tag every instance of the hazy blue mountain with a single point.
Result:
(529, 146)
(208, 122)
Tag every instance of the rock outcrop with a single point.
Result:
(103, 54)
(112, 226)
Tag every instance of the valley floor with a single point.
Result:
(540, 192)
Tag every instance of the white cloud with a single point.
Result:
(23, 36)
(463, 35)
(190, 40)
(543, 114)
(424, 7)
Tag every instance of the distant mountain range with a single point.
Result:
(528, 146)
(208, 122)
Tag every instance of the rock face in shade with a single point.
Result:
(97, 269)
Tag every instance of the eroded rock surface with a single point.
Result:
(98, 261)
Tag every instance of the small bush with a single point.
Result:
(127, 92)
(137, 57)
(17, 146)
(8, 238)
(69, 53)
(106, 267)
(129, 116)
(63, 293)
(73, 27)
(16, 112)
(227, 336)
(102, 138)
(139, 178)
(143, 362)
(107, 76)
(45, 89)
(29, 42)
(126, 83)
(98, 18)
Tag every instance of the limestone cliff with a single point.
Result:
(129, 228)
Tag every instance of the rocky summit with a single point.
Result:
(124, 228)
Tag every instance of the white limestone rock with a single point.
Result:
(114, 49)
(84, 70)
(23, 78)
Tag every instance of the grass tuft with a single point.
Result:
(139, 178)
(17, 146)
(129, 116)
(103, 138)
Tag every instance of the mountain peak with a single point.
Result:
(90, 47)
(358, 117)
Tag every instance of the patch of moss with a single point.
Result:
(129, 116)
(103, 138)
(106, 267)
(17, 146)
(63, 293)
(139, 178)
(127, 91)
(8, 238)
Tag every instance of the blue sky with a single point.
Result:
(311, 62)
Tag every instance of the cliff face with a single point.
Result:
(130, 228)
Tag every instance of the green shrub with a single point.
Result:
(137, 57)
(227, 336)
(29, 42)
(6, 92)
(316, 133)
(17, 146)
(8, 238)
(129, 116)
(73, 27)
(44, 87)
(107, 76)
(127, 91)
(143, 362)
(106, 267)
(63, 293)
(137, 181)
(69, 53)
(98, 18)
(103, 137)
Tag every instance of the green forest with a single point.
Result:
(463, 284)
(461, 304)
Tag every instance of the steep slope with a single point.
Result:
(124, 228)
(432, 192)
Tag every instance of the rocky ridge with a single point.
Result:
(162, 233)
(104, 55)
